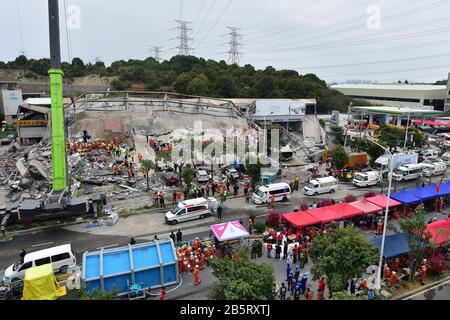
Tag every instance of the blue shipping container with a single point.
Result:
(152, 265)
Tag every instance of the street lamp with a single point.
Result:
(391, 168)
(265, 127)
(348, 123)
(406, 132)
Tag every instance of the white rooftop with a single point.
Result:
(412, 87)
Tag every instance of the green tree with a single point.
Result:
(225, 87)
(146, 166)
(188, 175)
(198, 86)
(345, 295)
(341, 255)
(338, 134)
(418, 238)
(21, 61)
(153, 85)
(182, 82)
(118, 84)
(78, 68)
(365, 145)
(244, 279)
(254, 171)
(265, 87)
(340, 157)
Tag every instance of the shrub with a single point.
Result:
(273, 219)
(369, 194)
(304, 206)
(260, 227)
(438, 264)
(350, 198)
(326, 202)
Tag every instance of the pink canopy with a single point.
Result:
(380, 201)
(366, 206)
(229, 231)
(346, 210)
(325, 214)
(301, 219)
(440, 231)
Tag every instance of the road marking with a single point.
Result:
(42, 244)
(112, 245)
(426, 290)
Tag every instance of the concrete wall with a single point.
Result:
(68, 88)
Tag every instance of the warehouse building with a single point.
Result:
(289, 113)
(397, 95)
(10, 98)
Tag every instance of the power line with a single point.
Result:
(68, 39)
(183, 47)
(233, 53)
(217, 21)
(199, 13)
(207, 15)
(22, 51)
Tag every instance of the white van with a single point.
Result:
(61, 258)
(407, 172)
(433, 167)
(321, 185)
(446, 158)
(429, 153)
(191, 209)
(369, 178)
(281, 191)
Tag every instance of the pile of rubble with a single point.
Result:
(26, 170)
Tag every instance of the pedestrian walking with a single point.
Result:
(352, 286)
(219, 211)
(297, 291)
(295, 254)
(273, 201)
(247, 197)
(22, 254)
(207, 189)
(303, 283)
(269, 249)
(250, 225)
(297, 273)
(162, 294)
(288, 271)
(277, 251)
(174, 197)
(289, 280)
(285, 249)
(172, 236)
(179, 236)
(322, 286)
(282, 291)
(309, 294)
(161, 200)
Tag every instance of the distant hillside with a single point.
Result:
(188, 75)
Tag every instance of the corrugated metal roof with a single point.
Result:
(39, 109)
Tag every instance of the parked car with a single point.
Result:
(365, 179)
(202, 176)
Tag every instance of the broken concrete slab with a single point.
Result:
(21, 167)
(39, 166)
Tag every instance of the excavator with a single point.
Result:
(62, 200)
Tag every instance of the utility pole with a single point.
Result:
(233, 53)
(349, 112)
(183, 47)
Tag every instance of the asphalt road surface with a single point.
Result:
(440, 292)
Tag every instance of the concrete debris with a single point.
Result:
(21, 167)
(38, 167)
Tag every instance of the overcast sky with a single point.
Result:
(383, 40)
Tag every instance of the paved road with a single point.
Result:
(440, 292)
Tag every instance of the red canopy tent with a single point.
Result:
(365, 206)
(325, 214)
(440, 231)
(380, 201)
(301, 219)
(346, 210)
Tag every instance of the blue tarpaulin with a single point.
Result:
(424, 193)
(394, 245)
(405, 197)
(444, 190)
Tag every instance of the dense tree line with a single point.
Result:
(197, 76)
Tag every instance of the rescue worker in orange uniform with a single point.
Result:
(309, 294)
(441, 204)
(202, 261)
(396, 264)
(191, 262)
(273, 201)
(139, 157)
(394, 278)
(185, 265)
(196, 275)
(422, 274)
(180, 263)
(379, 227)
(387, 272)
